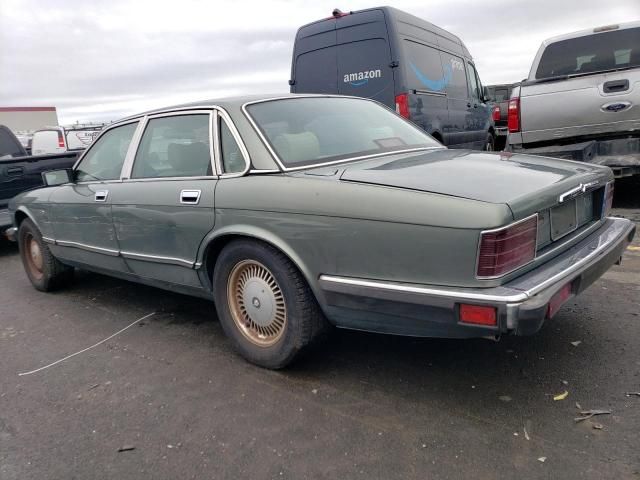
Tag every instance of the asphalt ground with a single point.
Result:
(173, 394)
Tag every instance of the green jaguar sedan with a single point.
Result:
(297, 213)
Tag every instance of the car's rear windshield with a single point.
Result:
(311, 131)
(590, 54)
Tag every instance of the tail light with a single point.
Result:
(60, 139)
(402, 105)
(506, 249)
(608, 200)
(513, 115)
(496, 114)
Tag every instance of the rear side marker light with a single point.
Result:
(478, 315)
(558, 300)
(506, 249)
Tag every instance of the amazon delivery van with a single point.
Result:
(422, 71)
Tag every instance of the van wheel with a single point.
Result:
(264, 304)
(490, 144)
(45, 271)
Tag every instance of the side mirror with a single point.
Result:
(53, 178)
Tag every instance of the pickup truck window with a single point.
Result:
(176, 146)
(105, 158)
(591, 54)
(310, 131)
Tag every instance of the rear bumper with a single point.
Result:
(521, 305)
(622, 155)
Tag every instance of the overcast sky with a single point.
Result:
(101, 60)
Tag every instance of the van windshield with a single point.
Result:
(591, 54)
(311, 131)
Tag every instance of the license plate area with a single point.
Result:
(564, 219)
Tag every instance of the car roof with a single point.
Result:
(225, 103)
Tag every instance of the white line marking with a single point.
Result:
(88, 348)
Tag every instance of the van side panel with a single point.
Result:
(364, 57)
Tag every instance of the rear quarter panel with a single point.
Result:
(331, 227)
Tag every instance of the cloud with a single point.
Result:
(103, 60)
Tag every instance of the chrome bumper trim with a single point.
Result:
(614, 233)
(11, 234)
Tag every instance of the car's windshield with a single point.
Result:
(591, 53)
(309, 131)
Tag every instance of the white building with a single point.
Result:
(28, 119)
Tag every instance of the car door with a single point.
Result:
(165, 206)
(81, 211)
(478, 113)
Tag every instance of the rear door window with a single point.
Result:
(363, 70)
(230, 153)
(591, 54)
(105, 158)
(176, 146)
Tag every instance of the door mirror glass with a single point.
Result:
(486, 95)
(57, 177)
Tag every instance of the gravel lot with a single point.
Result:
(362, 406)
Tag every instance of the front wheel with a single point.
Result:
(490, 144)
(45, 271)
(264, 304)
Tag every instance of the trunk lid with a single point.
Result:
(527, 184)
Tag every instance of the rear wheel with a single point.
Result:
(44, 271)
(264, 304)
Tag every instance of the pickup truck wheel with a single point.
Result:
(45, 271)
(490, 144)
(264, 304)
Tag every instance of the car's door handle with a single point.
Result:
(101, 195)
(190, 197)
(15, 171)
(615, 86)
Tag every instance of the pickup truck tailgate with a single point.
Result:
(580, 106)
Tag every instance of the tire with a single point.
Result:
(264, 304)
(45, 271)
(490, 144)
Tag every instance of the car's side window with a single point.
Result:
(176, 146)
(230, 153)
(105, 158)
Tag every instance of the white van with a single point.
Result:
(61, 139)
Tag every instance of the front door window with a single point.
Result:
(105, 158)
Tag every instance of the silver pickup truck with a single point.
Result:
(581, 100)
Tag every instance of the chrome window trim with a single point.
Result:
(284, 168)
(509, 225)
(129, 162)
(161, 179)
(222, 115)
